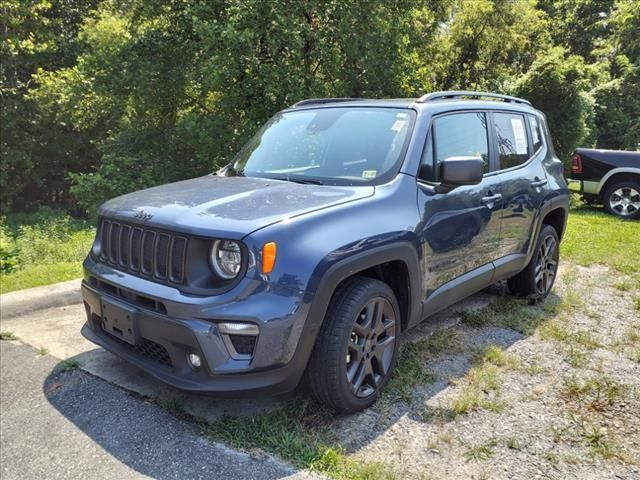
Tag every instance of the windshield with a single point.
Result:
(339, 145)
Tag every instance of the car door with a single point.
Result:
(459, 230)
(520, 148)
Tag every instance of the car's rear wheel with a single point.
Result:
(356, 348)
(623, 199)
(537, 279)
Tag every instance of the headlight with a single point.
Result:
(226, 258)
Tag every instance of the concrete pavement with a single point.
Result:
(63, 425)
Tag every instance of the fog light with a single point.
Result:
(194, 360)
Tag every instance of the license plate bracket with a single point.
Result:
(120, 320)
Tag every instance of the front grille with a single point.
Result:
(143, 251)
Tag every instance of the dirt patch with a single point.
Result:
(555, 396)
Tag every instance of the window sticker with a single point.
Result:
(536, 133)
(519, 135)
(369, 174)
(398, 125)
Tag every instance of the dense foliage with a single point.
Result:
(102, 97)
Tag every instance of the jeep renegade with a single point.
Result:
(338, 226)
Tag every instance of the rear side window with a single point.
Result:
(536, 133)
(457, 135)
(511, 136)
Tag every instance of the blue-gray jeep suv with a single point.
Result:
(341, 224)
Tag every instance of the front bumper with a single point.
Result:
(171, 325)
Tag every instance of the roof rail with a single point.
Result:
(429, 97)
(319, 101)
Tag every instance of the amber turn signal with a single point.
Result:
(268, 256)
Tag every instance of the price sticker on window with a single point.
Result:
(519, 136)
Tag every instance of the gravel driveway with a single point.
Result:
(551, 391)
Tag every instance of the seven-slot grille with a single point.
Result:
(143, 251)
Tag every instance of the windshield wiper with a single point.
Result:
(304, 181)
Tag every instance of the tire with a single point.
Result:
(355, 351)
(623, 199)
(537, 279)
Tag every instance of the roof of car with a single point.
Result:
(450, 100)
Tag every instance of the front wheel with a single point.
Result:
(356, 348)
(537, 279)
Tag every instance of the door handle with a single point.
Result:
(491, 199)
(538, 183)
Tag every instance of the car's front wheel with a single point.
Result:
(623, 199)
(356, 348)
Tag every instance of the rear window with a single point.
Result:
(536, 133)
(511, 136)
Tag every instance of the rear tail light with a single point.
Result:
(576, 163)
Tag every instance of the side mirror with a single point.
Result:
(457, 171)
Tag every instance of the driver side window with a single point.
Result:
(455, 135)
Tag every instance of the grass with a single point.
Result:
(410, 369)
(480, 452)
(6, 335)
(595, 393)
(69, 365)
(483, 382)
(505, 312)
(41, 248)
(593, 236)
(172, 405)
(297, 433)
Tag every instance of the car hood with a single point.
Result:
(229, 207)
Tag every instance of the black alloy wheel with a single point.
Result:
(371, 347)
(355, 351)
(547, 265)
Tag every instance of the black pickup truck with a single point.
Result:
(610, 177)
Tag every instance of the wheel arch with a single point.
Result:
(616, 175)
(396, 264)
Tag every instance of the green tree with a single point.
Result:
(557, 84)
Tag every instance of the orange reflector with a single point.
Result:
(268, 256)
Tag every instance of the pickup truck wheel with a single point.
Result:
(623, 199)
(356, 348)
(537, 279)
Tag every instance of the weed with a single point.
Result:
(599, 442)
(576, 357)
(632, 334)
(173, 405)
(471, 399)
(512, 443)
(596, 393)
(554, 330)
(42, 351)
(437, 415)
(480, 452)
(69, 364)
(495, 355)
(551, 457)
(5, 335)
(623, 286)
